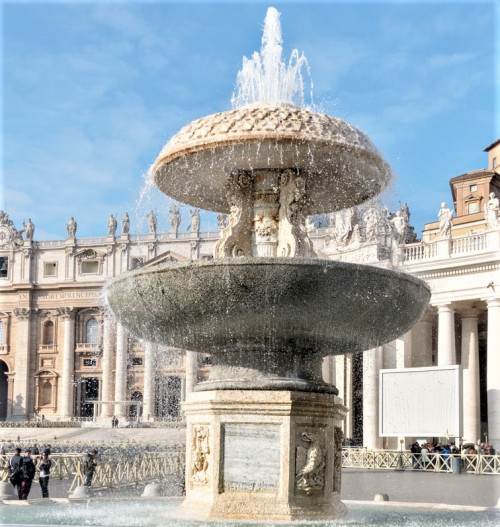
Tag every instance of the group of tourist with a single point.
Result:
(420, 451)
(23, 468)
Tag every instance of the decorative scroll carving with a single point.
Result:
(200, 456)
(294, 203)
(236, 238)
(24, 313)
(66, 312)
(310, 464)
(337, 458)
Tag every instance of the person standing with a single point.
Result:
(35, 450)
(44, 468)
(89, 466)
(27, 474)
(15, 471)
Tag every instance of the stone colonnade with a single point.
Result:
(414, 349)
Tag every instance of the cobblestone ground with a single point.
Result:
(407, 486)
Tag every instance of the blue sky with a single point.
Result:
(92, 91)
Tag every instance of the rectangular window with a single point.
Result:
(89, 362)
(494, 162)
(473, 188)
(50, 269)
(137, 361)
(91, 267)
(4, 266)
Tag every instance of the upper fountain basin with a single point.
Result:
(268, 305)
(341, 165)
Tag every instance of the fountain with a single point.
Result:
(264, 431)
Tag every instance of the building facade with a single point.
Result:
(62, 354)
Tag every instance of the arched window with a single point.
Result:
(91, 332)
(2, 333)
(48, 333)
(46, 393)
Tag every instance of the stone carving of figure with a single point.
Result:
(175, 218)
(371, 224)
(71, 227)
(125, 224)
(195, 221)
(344, 225)
(405, 211)
(491, 209)
(29, 229)
(445, 216)
(152, 222)
(310, 465)
(222, 221)
(399, 224)
(112, 224)
(200, 453)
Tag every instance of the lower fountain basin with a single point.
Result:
(268, 305)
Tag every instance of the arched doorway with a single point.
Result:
(3, 390)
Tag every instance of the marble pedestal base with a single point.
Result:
(263, 455)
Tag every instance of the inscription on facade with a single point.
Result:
(251, 457)
(70, 295)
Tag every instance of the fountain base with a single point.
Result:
(263, 455)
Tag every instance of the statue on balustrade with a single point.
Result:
(112, 224)
(152, 223)
(175, 219)
(399, 226)
(491, 209)
(445, 216)
(71, 227)
(125, 224)
(195, 221)
(29, 229)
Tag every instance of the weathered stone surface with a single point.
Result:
(263, 454)
(269, 305)
(340, 163)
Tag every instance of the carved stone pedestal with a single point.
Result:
(263, 455)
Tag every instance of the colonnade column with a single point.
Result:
(107, 366)
(121, 370)
(328, 369)
(149, 380)
(470, 371)
(191, 371)
(493, 372)
(21, 409)
(422, 341)
(67, 314)
(348, 397)
(372, 364)
(446, 335)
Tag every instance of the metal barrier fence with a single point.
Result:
(151, 467)
(428, 462)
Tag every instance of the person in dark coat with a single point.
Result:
(44, 468)
(27, 474)
(89, 466)
(15, 471)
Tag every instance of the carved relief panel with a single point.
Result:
(310, 461)
(200, 456)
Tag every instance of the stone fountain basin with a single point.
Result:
(341, 166)
(273, 305)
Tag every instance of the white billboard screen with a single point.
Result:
(421, 402)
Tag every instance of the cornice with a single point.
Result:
(457, 271)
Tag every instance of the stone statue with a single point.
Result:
(491, 209)
(152, 222)
(405, 211)
(71, 227)
(195, 221)
(200, 456)
(175, 218)
(29, 229)
(344, 220)
(445, 216)
(399, 225)
(125, 224)
(112, 224)
(310, 227)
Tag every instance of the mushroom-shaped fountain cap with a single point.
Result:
(341, 165)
